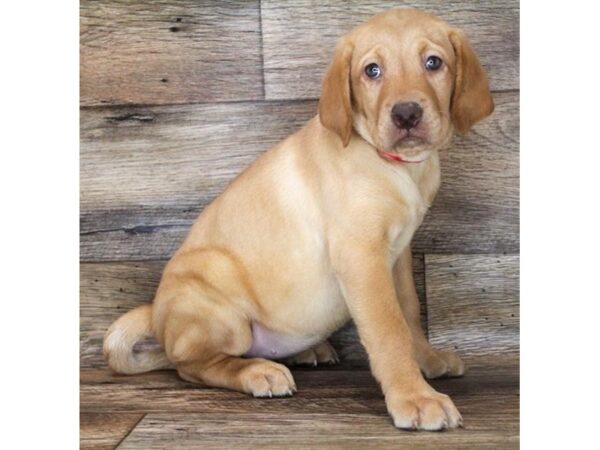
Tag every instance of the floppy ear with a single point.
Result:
(335, 111)
(471, 100)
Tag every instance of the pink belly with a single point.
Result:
(274, 345)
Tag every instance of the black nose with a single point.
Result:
(407, 115)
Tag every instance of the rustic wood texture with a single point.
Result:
(175, 51)
(477, 207)
(110, 289)
(104, 431)
(299, 38)
(146, 173)
(106, 292)
(180, 155)
(473, 304)
(339, 431)
(339, 409)
(320, 390)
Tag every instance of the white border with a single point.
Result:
(39, 171)
(560, 225)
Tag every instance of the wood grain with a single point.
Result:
(339, 431)
(473, 304)
(175, 51)
(332, 408)
(146, 173)
(299, 38)
(104, 431)
(477, 207)
(181, 155)
(108, 290)
(320, 390)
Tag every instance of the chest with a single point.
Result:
(416, 189)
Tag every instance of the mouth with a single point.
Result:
(409, 139)
(404, 149)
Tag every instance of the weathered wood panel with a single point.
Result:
(175, 156)
(111, 289)
(350, 403)
(473, 304)
(146, 173)
(299, 38)
(477, 207)
(104, 431)
(163, 52)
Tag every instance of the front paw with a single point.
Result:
(424, 410)
(436, 363)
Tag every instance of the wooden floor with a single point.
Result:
(177, 97)
(332, 409)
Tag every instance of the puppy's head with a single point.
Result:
(403, 81)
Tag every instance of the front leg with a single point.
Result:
(367, 283)
(433, 363)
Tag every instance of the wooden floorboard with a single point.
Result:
(299, 38)
(146, 173)
(104, 431)
(108, 290)
(332, 408)
(321, 390)
(176, 51)
(473, 303)
(339, 431)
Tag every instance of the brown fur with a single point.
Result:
(318, 229)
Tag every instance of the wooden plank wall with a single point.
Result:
(178, 96)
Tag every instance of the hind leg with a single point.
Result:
(321, 354)
(206, 347)
(205, 330)
(201, 317)
(209, 351)
(256, 376)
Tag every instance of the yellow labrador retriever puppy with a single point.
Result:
(317, 231)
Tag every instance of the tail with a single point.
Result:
(123, 334)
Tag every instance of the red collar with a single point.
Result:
(394, 157)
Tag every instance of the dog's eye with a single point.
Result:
(373, 71)
(433, 63)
